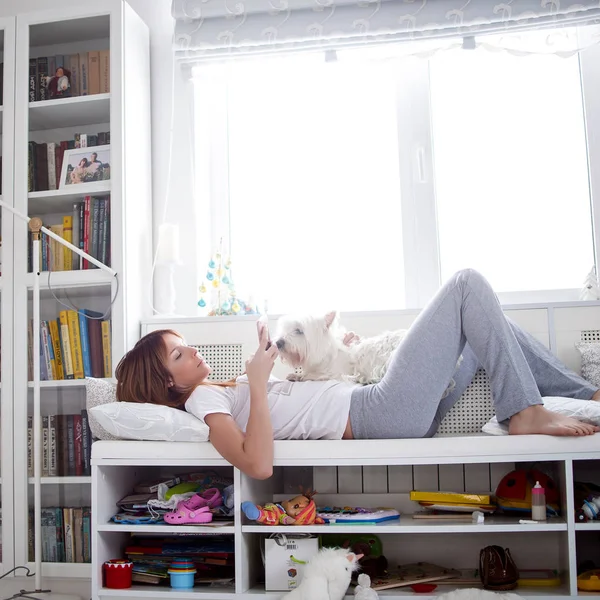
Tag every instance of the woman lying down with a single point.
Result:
(464, 318)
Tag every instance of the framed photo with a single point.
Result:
(85, 166)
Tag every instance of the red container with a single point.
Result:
(117, 573)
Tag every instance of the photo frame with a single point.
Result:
(85, 167)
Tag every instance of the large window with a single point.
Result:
(361, 180)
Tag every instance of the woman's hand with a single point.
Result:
(351, 338)
(260, 364)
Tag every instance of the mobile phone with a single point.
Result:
(264, 320)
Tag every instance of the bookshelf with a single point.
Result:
(117, 210)
(7, 57)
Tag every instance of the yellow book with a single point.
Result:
(450, 497)
(55, 338)
(56, 250)
(68, 236)
(106, 353)
(66, 345)
(75, 338)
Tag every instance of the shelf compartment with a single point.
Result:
(166, 529)
(82, 480)
(148, 591)
(69, 112)
(71, 279)
(408, 525)
(61, 383)
(70, 570)
(589, 526)
(58, 201)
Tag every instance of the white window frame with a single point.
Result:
(416, 170)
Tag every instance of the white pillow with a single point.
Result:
(134, 421)
(112, 420)
(587, 411)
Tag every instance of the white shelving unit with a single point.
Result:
(392, 468)
(7, 110)
(125, 112)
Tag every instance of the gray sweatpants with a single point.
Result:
(464, 317)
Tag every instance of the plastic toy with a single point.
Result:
(300, 510)
(513, 493)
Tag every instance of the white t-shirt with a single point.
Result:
(307, 410)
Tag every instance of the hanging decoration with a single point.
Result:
(217, 291)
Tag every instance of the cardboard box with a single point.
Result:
(285, 562)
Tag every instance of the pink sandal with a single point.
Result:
(184, 515)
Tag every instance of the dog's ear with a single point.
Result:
(330, 318)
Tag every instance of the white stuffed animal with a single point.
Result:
(327, 575)
(364, 591)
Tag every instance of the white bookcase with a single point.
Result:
(125, 112)
(7, 105)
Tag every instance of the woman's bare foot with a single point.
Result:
(596, 396)
(537, 419)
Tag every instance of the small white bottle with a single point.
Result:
(538, 502)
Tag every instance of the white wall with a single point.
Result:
(157, 15)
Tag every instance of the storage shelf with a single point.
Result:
(589, 526)
(541, 592)
(165, 529)
(148, 591)
(69, 112)
(58, 201)
(410, 525)
(68, 279)
(70, 570)
(65, 480)
(62, 383)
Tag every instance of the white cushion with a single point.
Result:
(590, 361)
(587, 411)
(112, 420)
(152, 422)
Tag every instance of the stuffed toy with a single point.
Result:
(300, 510)
(327, 575)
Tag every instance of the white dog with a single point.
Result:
(316, 345)
(327, 575)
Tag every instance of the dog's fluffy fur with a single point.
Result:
(316, 345)
(327, 575)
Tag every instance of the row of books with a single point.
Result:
(88, 228)
(213, 557)
(66, 443)
(83, 74)
(66, 535)
(45, 160)
(74, 346)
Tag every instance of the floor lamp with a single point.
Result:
(36, 227)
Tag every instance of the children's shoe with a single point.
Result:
(184, 516)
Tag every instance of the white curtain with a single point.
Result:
(208, 29)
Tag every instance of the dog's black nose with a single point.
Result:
(280, 344)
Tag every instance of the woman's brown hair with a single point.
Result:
(142, 375)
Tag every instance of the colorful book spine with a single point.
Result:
(67, 236)
(75, 339)
(55, 339)
(66, 345)
(106, 351)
